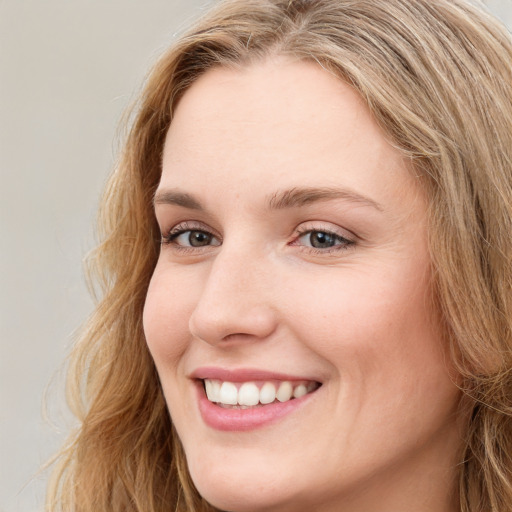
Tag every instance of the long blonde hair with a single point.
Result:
(437, 76)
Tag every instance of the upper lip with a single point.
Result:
(245, 375)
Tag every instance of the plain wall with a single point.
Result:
(67, 72)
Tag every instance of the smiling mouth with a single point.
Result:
(245, 395)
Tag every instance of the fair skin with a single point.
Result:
(325, 288)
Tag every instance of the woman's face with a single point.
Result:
(295, 262)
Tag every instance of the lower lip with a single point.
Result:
(239, 420)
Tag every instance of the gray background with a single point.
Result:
(68, 69)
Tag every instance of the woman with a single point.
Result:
(306, 270)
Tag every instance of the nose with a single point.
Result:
(236, 300)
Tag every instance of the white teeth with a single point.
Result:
(216, 390)
(228, 394)
(285, 391)
(212, 388)
(250, 394)
(267, 393)
(299, 391)
(208, 384)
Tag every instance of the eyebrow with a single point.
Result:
(296, 197)
(178, 198)
(290, 198)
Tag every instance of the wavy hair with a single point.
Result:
(437, 76)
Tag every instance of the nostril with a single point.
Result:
(217, 323)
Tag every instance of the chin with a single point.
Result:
(231, 500)
(253, 490)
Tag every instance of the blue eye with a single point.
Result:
(323, 240)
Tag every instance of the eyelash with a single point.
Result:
(180, 229)
(343, 243)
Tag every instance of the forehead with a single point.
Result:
(278, 123)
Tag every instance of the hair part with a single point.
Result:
(437, 76)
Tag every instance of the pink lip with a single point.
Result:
(240, 420)
(244, 375)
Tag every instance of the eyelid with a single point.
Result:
(347, 238)
(327, 227)
(167, 235)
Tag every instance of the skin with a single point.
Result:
(382, 433)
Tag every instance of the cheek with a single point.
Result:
(165, 319)
(376, 329)
(387, 359)
(363, 311)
